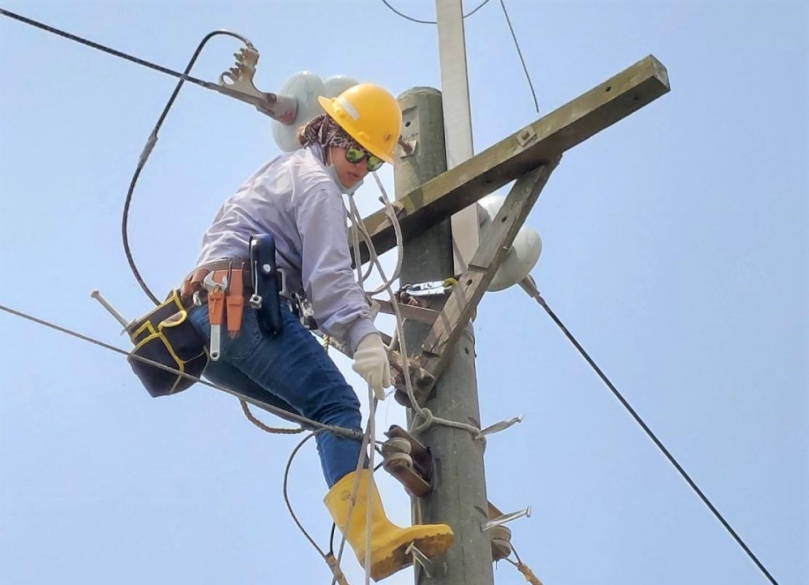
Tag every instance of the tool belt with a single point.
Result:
(167, 337)
(232, 276)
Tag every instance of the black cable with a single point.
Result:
(519, 52)
(286, 493)
(114, 52)
(279, 412)
(416, 20)
(153, 136)
(645, 427)
(147, 151)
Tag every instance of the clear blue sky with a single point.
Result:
(675, 249)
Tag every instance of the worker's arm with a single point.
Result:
(328, 280)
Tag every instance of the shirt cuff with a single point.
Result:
(359, 329)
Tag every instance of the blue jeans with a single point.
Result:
(293, 372)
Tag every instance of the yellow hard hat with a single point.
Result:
(370, 115)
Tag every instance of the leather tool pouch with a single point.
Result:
(166, 336)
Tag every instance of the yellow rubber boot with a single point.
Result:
(388, 541)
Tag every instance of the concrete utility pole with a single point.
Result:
(459, 488)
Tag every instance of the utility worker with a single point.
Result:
(297, 197)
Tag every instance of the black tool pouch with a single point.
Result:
(265, 283)
(166, 336)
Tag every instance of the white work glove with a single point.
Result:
(371, 362)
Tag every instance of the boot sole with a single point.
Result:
(394, 558)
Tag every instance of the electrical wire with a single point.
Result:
(419, 21)
(147, 151)
(286, 415)
(519, 52)
(283, 414)
(286, 493)
(114, 52)
(510, 27)
(541, 301)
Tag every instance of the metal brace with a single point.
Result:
(110, 309)
(505, 518)
(501, 426)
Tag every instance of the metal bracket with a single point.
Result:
(412, 312)
(526, 136)
(110, 309)
(501, 426)
(428, 289)
(408, 147)
(237, 82)
(505, 518)
(409, 461)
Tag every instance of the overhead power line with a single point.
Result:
(534, 293)
(419, 21)
(510, 27)
(111, 51)
(519, 52)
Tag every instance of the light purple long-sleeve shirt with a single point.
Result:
(294, 198)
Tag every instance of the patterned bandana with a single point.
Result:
(323, 130)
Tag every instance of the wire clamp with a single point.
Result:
(237, 82)
(428, 289)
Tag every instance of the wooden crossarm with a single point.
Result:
(536, 144)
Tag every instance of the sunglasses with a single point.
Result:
(355, 155)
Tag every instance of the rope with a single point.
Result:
(523, 568)
(372, 402)
(339, 577)
(262, 426)
(526, 572)
(333, 562)
(360, 229)
(534, 293)
(354, 490)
